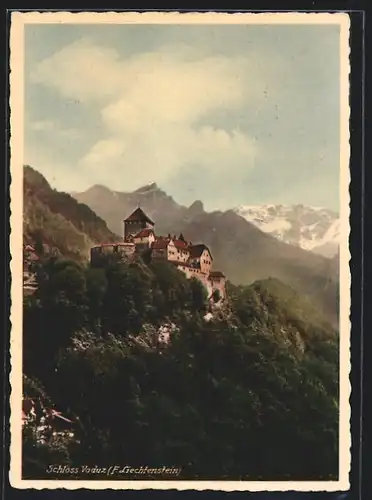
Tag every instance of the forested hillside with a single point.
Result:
(58, 221)
(128, 352)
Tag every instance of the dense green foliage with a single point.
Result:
(250, 394)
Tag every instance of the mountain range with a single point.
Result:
(72, 223)
(311, 228)
(239, 247)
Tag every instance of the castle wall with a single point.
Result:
(205, 262)
(211, 284)
(172, 252)
(125, 250)
(159, 254)
(191, 272)
(145, 240)
(182, 255)
(220, 285)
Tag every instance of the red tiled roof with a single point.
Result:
(144, 233)
(181, 245)
(216, 274)
(197, 250)
(139, 215)
(160, 244)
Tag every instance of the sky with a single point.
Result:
(227, 114)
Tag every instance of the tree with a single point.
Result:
(216, 295)
(38, 243)
(97, 284)
(127, 299)
(56, 310)
(174, 287)
(199, 295)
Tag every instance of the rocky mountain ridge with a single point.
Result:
(312, 228)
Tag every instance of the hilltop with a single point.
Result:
(58, 220)
(241, 249)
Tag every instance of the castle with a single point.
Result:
(195, 261)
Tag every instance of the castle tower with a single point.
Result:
(136, 222)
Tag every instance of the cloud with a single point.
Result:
(49, 127)
(80, 71)
(157, 109)
(42, 126)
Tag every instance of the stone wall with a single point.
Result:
(125, 250)
(191, 272)
(220, 285)
(159, 254)
(145, 240)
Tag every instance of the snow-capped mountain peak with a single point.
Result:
(312, 228)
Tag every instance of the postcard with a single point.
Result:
(180, 290)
